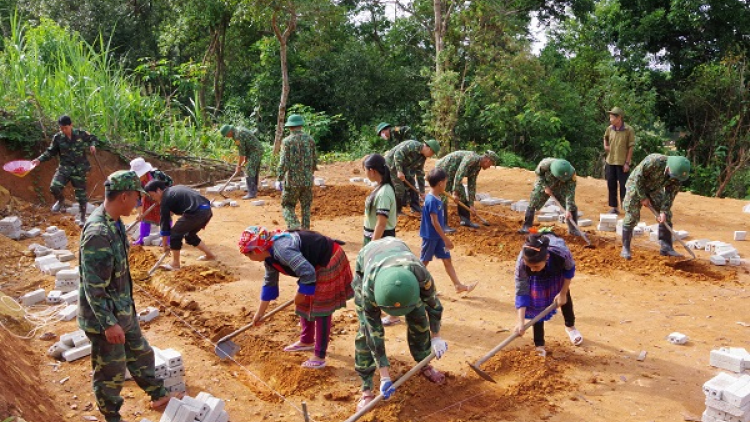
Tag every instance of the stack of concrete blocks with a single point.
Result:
(520, 206)
(735, 359)
(170, 369)
(55, 238)
(32, 298)
(607, 223)
(549, 213)
(727, 398)
(68, 281)
(723, 253)
(203, 408)
(11, 227)
(72, 346)
(50, 265)
(28, 234)
(697, 244)
(493, 201)
(740, 235)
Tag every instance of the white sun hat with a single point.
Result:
(140, 166)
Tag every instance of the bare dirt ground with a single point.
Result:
(622, 308)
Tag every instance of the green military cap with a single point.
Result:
(294, 120)
(562, 169)
(396, 291)
(679, 167)
(492, 155)
(226, 129)
(123, 180)
(382, 126)
(434, 145)
(617, 111)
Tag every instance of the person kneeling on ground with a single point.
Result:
(389, 278)
(324, 281)
(194, 211)
(544, 269)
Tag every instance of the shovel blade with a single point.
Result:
(226, 349)
(481, 373)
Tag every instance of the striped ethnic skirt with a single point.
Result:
(332, 287)
(543, 290)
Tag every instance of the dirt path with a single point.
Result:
(622, 308)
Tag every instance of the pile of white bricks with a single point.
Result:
(72, 346)
(489, 201)
(723, 253)
(50, 265)
(203, 408)
(55, 238)
(607, 223)
(231, 187)
(11, 227)
(727, 395)
(169, 368)
(520, 206)
(735, 359)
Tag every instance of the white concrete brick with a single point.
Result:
(738, 394)
(223, 416)
(54, 268)
(70, 297)
(234, 204)
(258, 203)
(67, 286)
(608, 218)
(172, 381)
(160, 365)
(319, 181)
(213, 189)
(171, 411)
(712, 245)
(32, 298)
(172, 357)
(726, 251)
(491, 201)
(54, 297)
(217, 407)
(637, 231)
(67, 338)
(677, 338)
(148, 314)
(57, 349)
(735, 260)
(653, 236)
(681, 234)
(67, 256)
(51, 229)
(42, 251)
(80, 339)
(178, 371)
(550, 209)
(714, 413)
(718, 260)
(746, 208)
(606, 228)
(77, 353)
(725, 359)
(740, 235)
(355, 179)
(71, 274)
(741, 413)
(177, 388)
(706, 418)
(201, 409)
(12, 221)
(33, 232)
(69, 312)
(546, 218)
(714, 388)
(585, 222)
(44, 260)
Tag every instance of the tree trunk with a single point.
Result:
(438, 31)
(221, 40)
(283, 39)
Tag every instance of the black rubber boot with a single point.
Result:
(465, 221)
(82, 210)
(665, 241)
(627, 236)
(528, 221)
(447, 229)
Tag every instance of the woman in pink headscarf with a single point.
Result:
(324, 281)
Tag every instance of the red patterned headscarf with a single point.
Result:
(258, 237)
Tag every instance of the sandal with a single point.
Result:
(433, 374)
(299, 347)
(575, 336)
(168, 267)
(466, 289)
(364, 400)
(541, 351)
(163, 401)
(314, 364)
(206, 258)
(390, 321)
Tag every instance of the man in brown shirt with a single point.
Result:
(619, 141)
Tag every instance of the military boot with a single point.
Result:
(82, 209)
(665, 242)
(528, 221)
(58, 206)
(466, 221)
(627, 236)
(447, 229)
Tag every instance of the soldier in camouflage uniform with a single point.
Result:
(655, 182)
(70, 144)
(251, 153)
(389, 278)
(106, 310)
(556, 177)
(295, 173)
(405, 162)
(393, 134)
(457, 165)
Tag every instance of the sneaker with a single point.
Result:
(614, 211)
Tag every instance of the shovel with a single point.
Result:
(418, 367)
(153, 269)
(226, 348)
(674, 235)
(221, 191)
(462, 205)
(140, 217)
(575, 225)
(507, 341)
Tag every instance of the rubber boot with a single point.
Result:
(627, 236)
(571, 228)
(665, 241)
(82, 209)
(528, 221)
(252, 187)
(466, 221)
(144, 230)
(447, 229)
(59, 204)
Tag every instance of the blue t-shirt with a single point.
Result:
(432, 205)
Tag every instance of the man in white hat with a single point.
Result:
(146, 173)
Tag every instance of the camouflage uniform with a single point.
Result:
(406, 157)
(398, 134)
(564, 191)
(298, 162)
(249, 147)
(457, 165)
(73, 163)
(649, 180)
(106, 299)
(425, 318)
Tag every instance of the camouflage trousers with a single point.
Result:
(252, 173)
(77, 179)
(539, 198)
(289, 198)
(109, 362)
(632, 207)
(418, 336)
(404, 194)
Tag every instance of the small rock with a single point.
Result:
(90, 418)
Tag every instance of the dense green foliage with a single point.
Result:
(163, 74)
